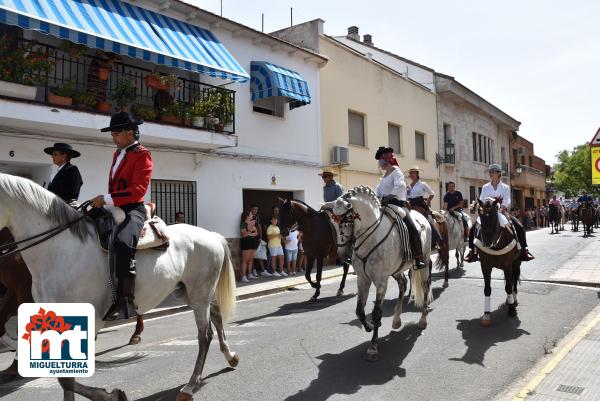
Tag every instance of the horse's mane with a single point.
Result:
(44, 202)
(305, 204)
(363, 192)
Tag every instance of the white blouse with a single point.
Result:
(502, 190)
(392, 184)
(420, 189)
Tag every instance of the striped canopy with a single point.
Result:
(267, 80)
(118, 27)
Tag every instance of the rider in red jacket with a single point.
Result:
(128, 183)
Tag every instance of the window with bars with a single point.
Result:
(419, 145)
(172, 197)
(356, 129)
(394, 138)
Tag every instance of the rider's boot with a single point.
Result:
(520, 231)
(472, 255)
(415, 241)
(125, 307)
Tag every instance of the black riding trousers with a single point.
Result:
(127, 237)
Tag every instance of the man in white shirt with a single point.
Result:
(499, 190)
(420, 195)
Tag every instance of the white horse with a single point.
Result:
(380, 250)
(71, 267)
(456, 241)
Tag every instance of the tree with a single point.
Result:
(573, 172)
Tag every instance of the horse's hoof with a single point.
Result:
(313, 299)
(422, 324)
(135, 339)
(184, 397)
(445, 285)
(396, 324)
(512, 310)
(340, 293)
(486, 321)
(233, 362)
(372, 355)
(368, 327)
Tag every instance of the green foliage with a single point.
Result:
(573, 172)
(66, 90)
(24, 63)
(225, 108)
(145, 112)
(85, 99)
(176, 109)
(125, 93)
(204, 107)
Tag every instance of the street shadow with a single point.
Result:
(453, 273)
(347, 372)
(107, 351)
(171, 394)
(10, 383)
(299, 307)
(479, 339)
(131, 359)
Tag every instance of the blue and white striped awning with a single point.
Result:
(122, 28)
(267, 80)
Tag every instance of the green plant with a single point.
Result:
(66, 90)
(204, 107)
(225, 108)
(84, 99)
(173, 109)
(144, 112)
(74, 50)
(125, 93)
(170, 79)
(24, 63)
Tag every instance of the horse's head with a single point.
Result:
(286, 213)
(488, 215)
(358, 206)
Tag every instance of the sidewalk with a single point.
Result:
(573, 372)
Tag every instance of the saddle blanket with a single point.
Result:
(153, 234)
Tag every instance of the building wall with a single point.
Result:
(352, 82)
(529, 187)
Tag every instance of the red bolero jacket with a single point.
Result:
(131, 180)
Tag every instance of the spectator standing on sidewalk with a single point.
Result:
(291, 250)
(275, 249)
(301, 254)
(250, 240)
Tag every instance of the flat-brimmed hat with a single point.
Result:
(63, 147)
(494, 167)
(381, 151)
(122, 120)
(327, 171)
(414, 168)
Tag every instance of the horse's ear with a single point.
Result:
(281, 200)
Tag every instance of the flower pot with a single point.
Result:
(219, 127)
(59, 100)
(198, 121)
(154, 82)
(104, 107)
(19, 91)
(187, 121)
(103, 74)
(170, 119)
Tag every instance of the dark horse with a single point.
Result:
(586, 214)
(497, 248)
(319, 238)
(574, 215)
(554, 218)
(15, 277)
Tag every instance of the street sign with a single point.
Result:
(596, 165)
(596, 139)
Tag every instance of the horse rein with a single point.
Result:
(11, 248)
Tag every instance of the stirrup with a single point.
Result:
(121, 310)
(526, 256)
(471, 256)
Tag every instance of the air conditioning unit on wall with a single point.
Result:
(339, 155)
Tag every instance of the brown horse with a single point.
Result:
(443, 261)
(586, 214)
(319, 238)
(15, 277)
(497, 248)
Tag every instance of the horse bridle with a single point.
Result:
(11, 248)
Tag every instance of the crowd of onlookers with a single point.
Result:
(268, 249)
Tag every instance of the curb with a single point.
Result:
(242, 296)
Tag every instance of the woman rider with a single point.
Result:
(392, 191)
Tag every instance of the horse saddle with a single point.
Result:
(152, 236)
(438, 217)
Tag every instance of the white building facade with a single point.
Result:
(209, 175)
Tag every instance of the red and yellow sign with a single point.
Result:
(596, 165)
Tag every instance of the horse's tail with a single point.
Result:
(416, 282)
(444, 252)
(225, 292)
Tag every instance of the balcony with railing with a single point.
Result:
(67, 77)
(527, 176)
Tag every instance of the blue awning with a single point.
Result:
(122, 28)
(267, 80)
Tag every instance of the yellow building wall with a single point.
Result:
(352, 82)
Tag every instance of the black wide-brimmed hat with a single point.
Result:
(381, 151)
(120, 121)
(63, 147)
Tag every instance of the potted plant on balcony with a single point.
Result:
(84, 100)
(162, 82)
(74, 50)
(145, 112)
(62, 95)
(171, 113)
(125, 93)
(224, 110)
(200, 110)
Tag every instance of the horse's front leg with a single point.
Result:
(309, 266)
(317, 285)
(402, 284)
(486, 320)
(372, 351)
(346, 267)
(71, 387)
(139, 327)
(362, 284)
(508, 287)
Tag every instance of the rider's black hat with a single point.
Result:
(122, 120)
(63, 147)
(381, 151)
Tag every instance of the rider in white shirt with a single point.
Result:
(499, 190)
(420, 194)
(392, 191)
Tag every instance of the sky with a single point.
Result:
(537, 60)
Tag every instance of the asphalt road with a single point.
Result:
(292, 350)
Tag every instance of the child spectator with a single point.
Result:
(275, 249)
(261, 257)
(291, 250)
